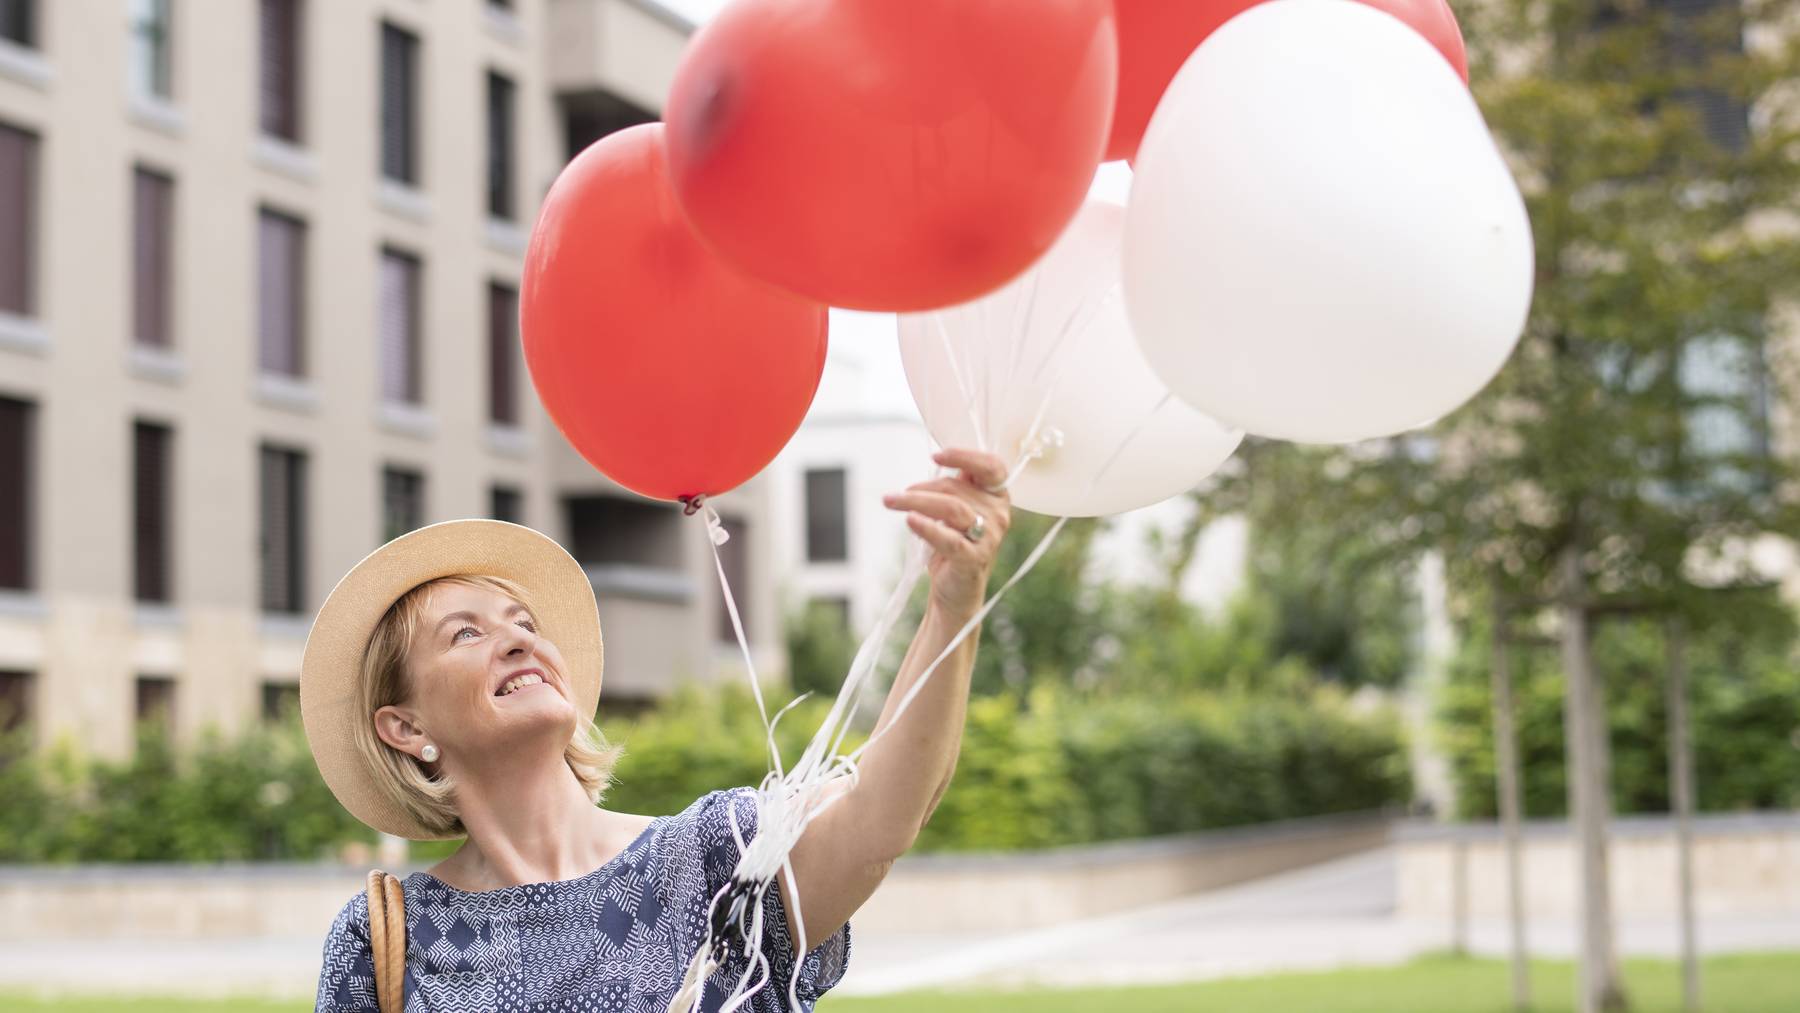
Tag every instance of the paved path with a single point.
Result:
(1337, 914)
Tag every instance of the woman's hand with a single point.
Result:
(944, 512)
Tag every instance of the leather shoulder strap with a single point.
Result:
(387, 939)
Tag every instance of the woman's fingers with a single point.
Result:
(938, 534)
(982, 469)
(953, 510)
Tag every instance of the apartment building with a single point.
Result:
(259, 283)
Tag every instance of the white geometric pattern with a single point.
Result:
(617, 939)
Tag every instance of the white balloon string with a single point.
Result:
(789, 800)
(716, 535)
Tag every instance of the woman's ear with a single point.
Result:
(394, 726)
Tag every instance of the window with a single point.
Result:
(281, 255)
(17, 474)
(734, 556)
(18, 22)
(402, 502)
(1726, 384)
(152, 450)
(399, 101)
(279, 77)
(615, 530)
(507, 504)
(280, 700)
(589, 116)
(15, 700)
(156, 701)
(827, 533)
(18, 221)
(503, 354)
(399, 328)
(153, 199)
(500, 146)
(283, 529)
(150, 48)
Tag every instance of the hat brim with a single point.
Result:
(330, 698)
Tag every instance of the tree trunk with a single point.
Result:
(1506, 761)
(1598, 987)
(1681, 801)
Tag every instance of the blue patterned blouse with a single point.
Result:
(617, 939)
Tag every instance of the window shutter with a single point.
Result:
(500, 147)
(279, 77)
(503, 354)
(153, 199)
(17, 22)
(16, 489)
(152, 466)
(398, 54)
(281, 245)
(283, 529)
(827, 533)
(399, 327)
(18, 191)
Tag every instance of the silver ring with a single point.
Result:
(974, 531)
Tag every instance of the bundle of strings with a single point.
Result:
(789, 799)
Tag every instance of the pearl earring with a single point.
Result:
(429, 754)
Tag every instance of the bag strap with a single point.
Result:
(387, 939)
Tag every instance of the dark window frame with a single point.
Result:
(504, 360)
(21, 156)
(399, 97)
(18, 513)
(152, 257)
(154, 33)
(282, 354)
(402, 491)
(827, 537)
(409, 387)
(19, 23)
(153, 699)
(502, 139)
(281, 70)
(285, 467)
(506, 503)
(153, 495)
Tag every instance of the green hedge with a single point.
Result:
(1744, 705)
(256, 796)
(1055, 768)
(1050, 769)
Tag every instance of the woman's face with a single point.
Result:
(481, 677)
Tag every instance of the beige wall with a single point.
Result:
(79, 630)
(929, 893)
(1747, 865)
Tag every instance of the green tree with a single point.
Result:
(1628, 435)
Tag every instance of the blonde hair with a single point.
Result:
(431, 799)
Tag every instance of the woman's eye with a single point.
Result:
(528, 624)
(465, 629)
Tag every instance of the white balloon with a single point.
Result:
(1323, 243)
(1048, 362)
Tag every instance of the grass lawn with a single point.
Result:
(1759, 983)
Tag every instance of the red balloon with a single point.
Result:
(891, 154)
(670, 372)
(1156, 37)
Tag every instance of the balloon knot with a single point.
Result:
(691, 505)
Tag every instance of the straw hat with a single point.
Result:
(330, 700)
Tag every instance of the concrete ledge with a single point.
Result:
(1745, 864)
(996, 893)
(928, 893)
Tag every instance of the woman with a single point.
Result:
(447, 690)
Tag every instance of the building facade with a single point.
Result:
(259, 281)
